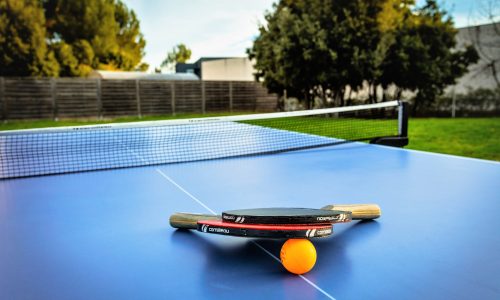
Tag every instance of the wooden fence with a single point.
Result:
(56, 98)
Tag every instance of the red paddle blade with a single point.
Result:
(266, 230)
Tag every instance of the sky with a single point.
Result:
(228, 27)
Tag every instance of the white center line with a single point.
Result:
(186, 192)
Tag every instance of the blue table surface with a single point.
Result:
(105, 234)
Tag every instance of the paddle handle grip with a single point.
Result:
(359, 211)
(189, 220)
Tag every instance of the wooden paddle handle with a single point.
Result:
(359, 211)
(188, 220)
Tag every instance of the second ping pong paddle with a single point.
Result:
(265, 230)
(327, 215)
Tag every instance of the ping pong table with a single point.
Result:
(105, 234)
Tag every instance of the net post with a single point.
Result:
(401, 139)
(230, 96)
(203, 98)
(53, 96)
(172, 96)
(99, 98)
(403, 119)
(138, 98)
(3, 99)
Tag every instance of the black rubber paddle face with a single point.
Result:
(265, 231)
(285, 216)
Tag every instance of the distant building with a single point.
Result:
(194, 68)
(220, 68)
(486, 40)
(186, 68)
(141, 75)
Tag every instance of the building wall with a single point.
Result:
(234, 69)
(487, 42)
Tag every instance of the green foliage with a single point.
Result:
(322, 48)
(312, 47)
(287, 53)
(68, 37)
(94, 34)
(421, 60)
(179, 54)
(68, 62)
(23, 51)
(130, 40)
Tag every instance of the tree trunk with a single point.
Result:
(370, 99)
(414, 108)
(399, 92)
(323, 97)
(309, 100)
(342, 92)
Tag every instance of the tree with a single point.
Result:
(318, 48)
(321, 48)
(422, 59)
(130, 40)
(290, 50)
(68, 38)
(23, 51)
(94, 34)
(179, 54)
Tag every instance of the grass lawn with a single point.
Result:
(472, 137)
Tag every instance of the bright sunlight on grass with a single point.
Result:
(472, 137)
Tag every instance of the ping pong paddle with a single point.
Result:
(265, 230)
(278, 215)
(276, 222)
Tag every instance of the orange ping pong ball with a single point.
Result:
(298, 256)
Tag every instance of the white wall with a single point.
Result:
(488, 41)
(237, 69)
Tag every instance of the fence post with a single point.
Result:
(172, 96)
(203, 99)
(230, 96)
(53, 95)
(99, 99)
(3, 99)
(138, 98)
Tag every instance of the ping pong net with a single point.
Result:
(96, 147)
